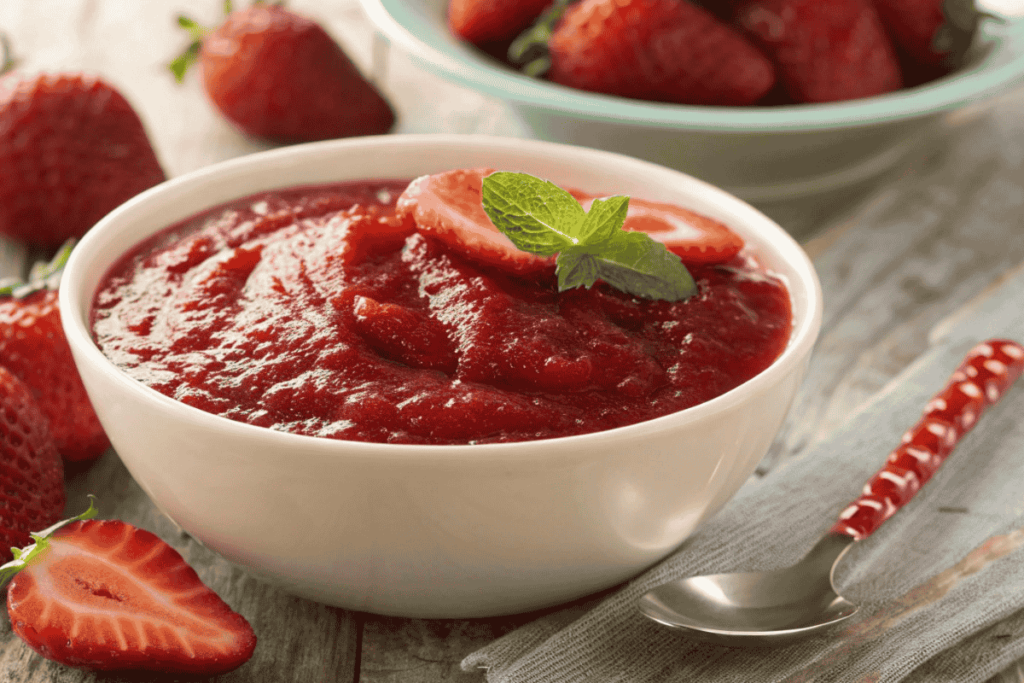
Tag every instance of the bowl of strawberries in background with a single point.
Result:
(769, 99)
(420, 528)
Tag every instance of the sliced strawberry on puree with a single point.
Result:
(449, 207)
(107, 595)
(689, 235)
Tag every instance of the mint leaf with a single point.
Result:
(634, 263)
(537, 215)
(575, 268)
(542, 218)
(604, 219)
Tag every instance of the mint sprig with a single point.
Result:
(541, 218)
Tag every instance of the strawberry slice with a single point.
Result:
(449, 207)
(691, 236)
(106, 595)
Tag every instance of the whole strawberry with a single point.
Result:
(824, 51)
(71, 150)
(483, 21)
(106, 595)
(34, 349)
(665, 50)
(280, 76)
(914, 25)
(31, 472)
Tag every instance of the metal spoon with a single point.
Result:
(768, 608)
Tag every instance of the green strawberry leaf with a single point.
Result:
(40, 542)
(541, 218)
(196, 32)
(959, 34)
(7, 60)
(42, 275)
(530, 50)
(538, 216)
(183, 62)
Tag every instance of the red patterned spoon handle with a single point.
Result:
(983, 377)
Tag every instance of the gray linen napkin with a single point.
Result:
(940, 584)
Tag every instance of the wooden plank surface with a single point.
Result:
(896, 258)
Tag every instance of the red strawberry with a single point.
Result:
(484, 21)
(691, 236)
(280, 76)
(448, 206)
(31, 472)
(665, 50)
(71, 149)
(33, 347)
(106, 595)
(824, 51)
(913, 25)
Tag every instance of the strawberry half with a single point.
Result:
(31, 472)
(689, 235)
(107, 595)
(449, 207)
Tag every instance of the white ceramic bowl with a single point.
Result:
(436, 531)
(758, 153)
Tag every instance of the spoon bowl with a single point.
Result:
(756, 608)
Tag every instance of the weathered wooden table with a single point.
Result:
(898, 258)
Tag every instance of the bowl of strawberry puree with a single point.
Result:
(348, 436)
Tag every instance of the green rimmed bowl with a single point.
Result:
(757, 153)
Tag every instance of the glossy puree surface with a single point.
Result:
(317, 311)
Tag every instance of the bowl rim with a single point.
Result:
(398, 23)
(75, 303)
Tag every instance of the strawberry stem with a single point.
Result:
(7, 60)
(197, 32)
(23, 556)
(959, 32)
(43, 275)
(530, 48)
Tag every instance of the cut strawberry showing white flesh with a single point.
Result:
(107, 595)
(448, 207)
(689, 235)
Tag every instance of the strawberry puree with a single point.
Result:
(317, 311)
